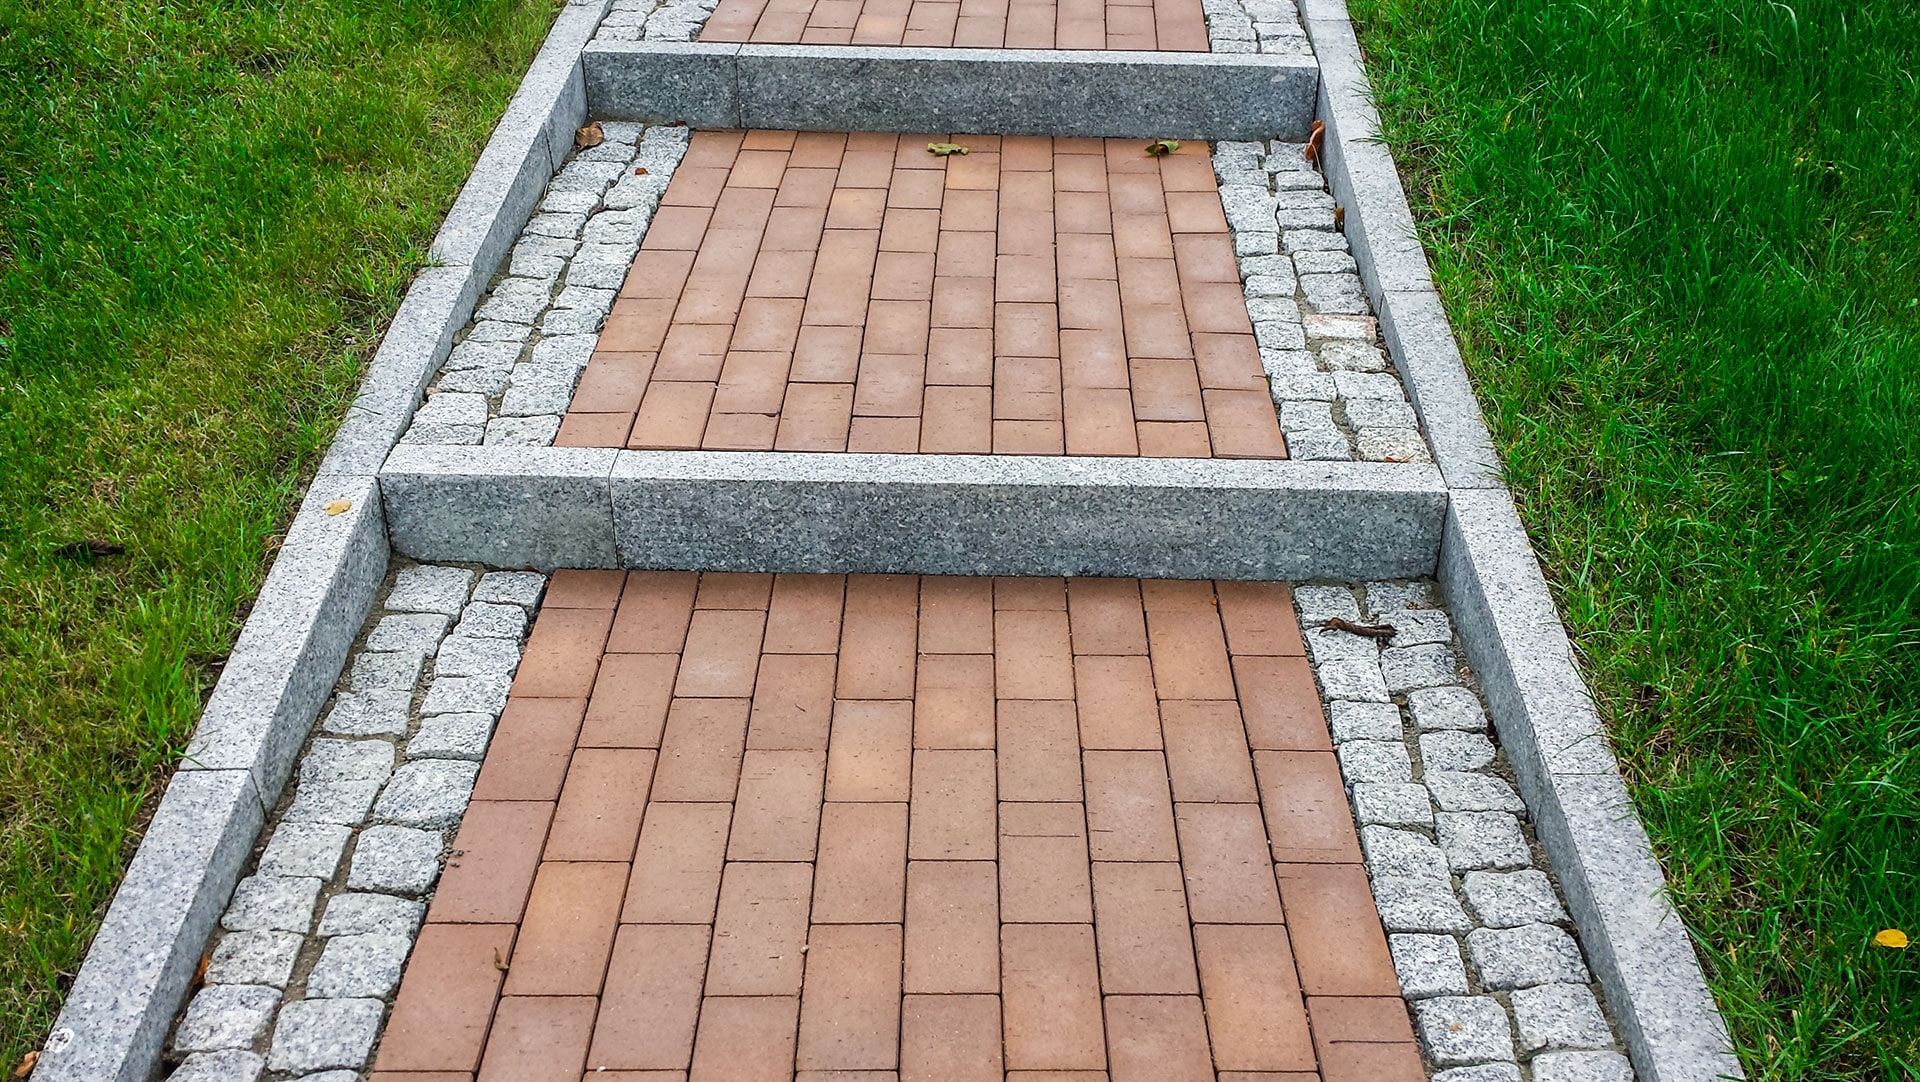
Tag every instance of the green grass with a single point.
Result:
(207, 210)
(1681, 245)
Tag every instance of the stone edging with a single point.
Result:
(1506, 617)
(142, 962)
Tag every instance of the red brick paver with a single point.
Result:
(1166, 25)
(829, 292)
(886, 827)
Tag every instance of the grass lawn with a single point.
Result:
(207, 211)
(1681, 245)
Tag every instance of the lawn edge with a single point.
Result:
(1506, 619)
(143, 960)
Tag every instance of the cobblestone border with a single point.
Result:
(360, 840)
(1508, 624)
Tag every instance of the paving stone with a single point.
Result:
(336, 800)
(1352, 356)
(1482, 840)
(1416, 627)
(1375, 761)
(330, 1076)
(466, 695)
(464, 656)
(1525, 956)
(486, 620)
(304, 849)
(1581, 1067)
(538, 390)
(1389, 599)
(1280, 334)
(369, 713)
(1454, 750)
(1411, 667)
(346, 760)
(452, 408)
(262, 903)
(1418, 903)
(1248, 209)
(1403, 853)
(1327, 292)
(1323, 262)
(429, 588)
(1318, 445)
(522, 431)
(1390, 444)
(397, 672)
(1510, 899)
(480, 381)
(1247, 242)
(1447, 708)
(1455, 791)
(1273, 310)
(1559, 1016)
(315, 1034)
(1328, 644)
(428, 793)
(1269, 285)
(408, 632)
(443, 435)
(258, 957)
(1459, 1030)
(370, 914)
(1364, 413)
(225, 1016)
(395, 859)
(1312, 240)
(491, 353)
(355, 966)
(522, 588)
(1358, 679)
(452, 736)
(1364, 721)
(490, 331)
(563, 351)
(1392, 805)
(1428, 965)
(231, 1065)
(1292, 218)
(1484, 1072)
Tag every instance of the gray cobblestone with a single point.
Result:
(1358, 679)
(230, 1065)
(257, 957)
(1461, 1030)
(427, 793)
(1476, 840)
(347, 760)
(466, 695)
(1419, 627)
(1392, 805)
(1328, 644)
(1375, 761)
(464, 656)
(304, 849)
(453, 408)
(1581, 1067)
(1378, 413)
(1390, 444)
(429, 588)
(409, 632)
(1481, 1072)
(1409, 668)
(1388, 600)
(261, 903)
(1351, 356)
(521, 588)
(370, 914)
(356, 966)
(225, 1016)
(452, 736)
(1428, 965)
(1446, 708)
(390, 672)
(1319, 604)
(1454, 791)
(1559, 1016)
(1453, 750)
(315, 1034)
(485, 620)
(522, 431)
(1510, 899)
(369, 713)
(1329, 292)
(1364, 721)
(337, 800)
(1418, 903)
(1403, 853)
(1525, 956)
(395, 860)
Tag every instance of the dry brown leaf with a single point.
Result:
(639, 170)
(26, 1064)
(1371, 631)
(1340, 219)
(589, 136)
(1315, 140)
(339, 507)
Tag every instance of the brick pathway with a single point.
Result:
(1166, 25)
(910, 829)
(828, 292)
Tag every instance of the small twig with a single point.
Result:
(1371, 631)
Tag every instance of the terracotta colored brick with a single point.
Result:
(953, 703)
(1364, 1039)
(1044, 875)
(446, 998)
(676, 866)
(1157, 1039)
(637, 325)
(1107, 616)
(1028, 438)
(563, 653)
(777, 813)
(804, 617)
(1039, 750)
(496, 852)
(700, 751)
(960, 303)
(1306, 807)
(1207, 756)
(1255, 1014)
(745, 1039)
(722, 654)
(527, 759)
(652, 999)
(672, 416)
(952, 927)
(877, 638)
(1129, 811)
(600, 806)
(792, 702)
(960, 356)
(1033, 655)
(1259, 619)
(612, 383)
(861, 874)
(957, 421)
(1337, 942)
(654, 609)
(953, 798)
(424, 1076)
(1229, 871)
(538, 1039)
(692, 352)
(593, 430)
(1051, 997)
(1140, 917)
(760, 930)
(1280, 705)
(1117, 705)
(1179, 439)
(629, 703)
(850, 1006)
(657, 274)
(956, 615)
(870, 757)
(1099, 421)
(950, 1039)
(815, 417)
(568, 930)
(1189, 655)
(1242, 424)
(884, 435)
(1229, 361)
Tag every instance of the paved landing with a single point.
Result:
(1165, 25)
(746, 827)
(829, 292)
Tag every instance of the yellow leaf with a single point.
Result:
(1890, 937)
(339, 507)
(1160, 148)
(942, 150)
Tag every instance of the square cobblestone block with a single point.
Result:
(1477, 840)
(1581, 1067)
(359, 966)
(1447, 708)
(1460, 1030)
(315, 1034)
(428, 588)
(369, 713)
(1418, 903)
(1510, 899)
(396, 860)
(257, 957)
(262, 903)
(1559, 1016)
(427, 793)
(304, 849)
(1412, 667)
(1392, 805)
(1525, 956)
(370, 914)
(1457, 792)
(1375, 761)
(409, 632)
(452, 736)
(1428, 965)
(338, 800)
(225, 1016)
(1393, 852)
(522, 588)
(1453, 750)
(391, 672)
(232, 1065)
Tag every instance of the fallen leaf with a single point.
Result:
(1371, 631)
(1890, 937)
(589, 136)
(92, 546)
(339, 507)
(942, 150)
(26, 1064)
(1315, 140)
(639, 170)
(1160, 148)
(1340, 219)
(200, 971)
(499, 963)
